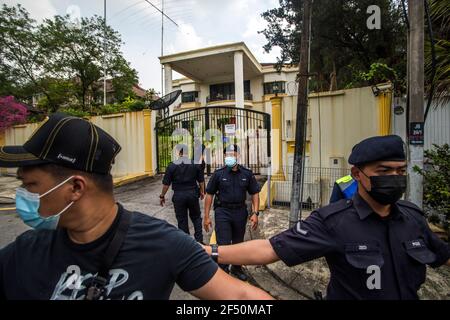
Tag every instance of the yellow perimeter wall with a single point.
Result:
(133, 131)
(346, 117)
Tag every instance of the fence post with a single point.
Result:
(208, 164)
(148, 154)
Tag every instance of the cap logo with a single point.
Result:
(65, 158)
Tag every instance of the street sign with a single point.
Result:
(416, 133)
(230, 129)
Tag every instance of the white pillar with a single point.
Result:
(167, 78)
(239, 78)
(168, 82)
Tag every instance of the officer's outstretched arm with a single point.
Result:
(225, 287)
(255, 252)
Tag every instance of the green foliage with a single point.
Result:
(440, 21)
(437, 179)
(111, 108)
(378, 73)
(60, 60)
(132, 104)
(76, 112)
(341, 43)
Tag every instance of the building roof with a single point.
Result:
(213, 63)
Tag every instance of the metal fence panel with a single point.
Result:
(206, 126)
(317, 186)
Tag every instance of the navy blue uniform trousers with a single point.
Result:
(230, 227)
(188, 200)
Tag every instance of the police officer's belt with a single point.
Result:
(232, 205)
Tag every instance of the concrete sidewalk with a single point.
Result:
(313, 276)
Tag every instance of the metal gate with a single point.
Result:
(206, 131)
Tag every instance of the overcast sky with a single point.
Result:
(200, 23)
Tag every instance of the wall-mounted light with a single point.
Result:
(376, 91)
(380, 88)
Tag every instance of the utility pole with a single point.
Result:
(416, 99)
(302, 109)
(162, 36)
(104, 52)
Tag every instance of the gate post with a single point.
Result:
(148, 142)
(277, 154)
(208, 164)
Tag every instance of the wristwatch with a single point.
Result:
(256, 212)
(215, 252)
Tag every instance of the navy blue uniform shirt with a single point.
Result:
(352, 237)
(233, 185)
(183, 174)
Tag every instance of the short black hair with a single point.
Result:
(103, 182)
(231, 148)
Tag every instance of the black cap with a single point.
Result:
(380, 148)
(67, 141)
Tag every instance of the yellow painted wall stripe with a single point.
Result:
(384, 113)
(148, 142)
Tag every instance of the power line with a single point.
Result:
(162, 12)
(125, 9)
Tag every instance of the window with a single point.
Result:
(274, 87)
(225, 91)
(190, 96)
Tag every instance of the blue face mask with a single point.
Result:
(230, 162)
(27, 206)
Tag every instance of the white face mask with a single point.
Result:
(27, 206)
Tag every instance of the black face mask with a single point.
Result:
(386, 189)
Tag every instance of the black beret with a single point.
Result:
(380, 148)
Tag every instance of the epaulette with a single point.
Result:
(409, 205)
(334, 208)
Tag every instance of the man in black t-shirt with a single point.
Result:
(67, 197)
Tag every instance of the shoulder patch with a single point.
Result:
(410, 205)
(334, 208)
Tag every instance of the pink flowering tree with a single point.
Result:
(11, 112)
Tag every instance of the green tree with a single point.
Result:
(77, 53)
(440, 23)
(21, 58)
(60, 60)
(437, 179)
(341, 44)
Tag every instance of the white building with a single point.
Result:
(225, 75)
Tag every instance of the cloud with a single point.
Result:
(184, 39)
(255, 24)
(39, 10)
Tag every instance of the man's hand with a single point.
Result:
(207, 224)
(254, 221)
(162, 200)
(202, 195)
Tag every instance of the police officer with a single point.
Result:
(230, 185)
(188, 184)
(344, 188)
(376, 245)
